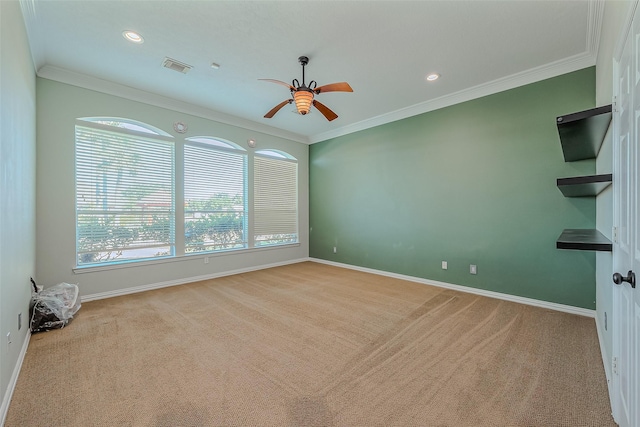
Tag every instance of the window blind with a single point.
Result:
(215, 199)
(275, 201)
(125, 206)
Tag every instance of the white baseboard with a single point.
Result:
(498, 295)
(513, 298)
(14, 380)
(142, 288)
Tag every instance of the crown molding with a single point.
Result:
(594, 26)
(624, 30)
(574, 63)
(85, 81)
(30, 18)
(567, 65)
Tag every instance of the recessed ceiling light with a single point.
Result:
(215, 66)
(432, 77)
(132, 36)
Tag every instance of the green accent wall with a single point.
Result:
(473, 183)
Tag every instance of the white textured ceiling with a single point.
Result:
(383, 49)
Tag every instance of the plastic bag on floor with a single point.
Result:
(53, 308)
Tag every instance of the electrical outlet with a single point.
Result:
(335, 249)
(8, 339)
(19, 321)
(206, 260)
(444, 265)
(473, 269)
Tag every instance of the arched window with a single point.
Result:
(215, 202)
(128, 124)
(275, 198)
(216, 142)
(276, 154)
(125, 206)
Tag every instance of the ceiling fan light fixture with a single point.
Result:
(303, 99)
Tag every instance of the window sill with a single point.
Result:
(182, 258)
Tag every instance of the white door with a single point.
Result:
(626, 248)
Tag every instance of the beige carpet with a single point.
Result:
(313, 345)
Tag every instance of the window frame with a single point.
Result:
(274, 155)
(226, 147)
(151, 136)
(179, 210)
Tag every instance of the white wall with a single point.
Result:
(615, 15)
(17, 189)
(59, 105)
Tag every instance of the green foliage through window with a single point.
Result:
(126, 196)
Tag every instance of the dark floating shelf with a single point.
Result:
(583, 240)
(582, 134)
(583, 186)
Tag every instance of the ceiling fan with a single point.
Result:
(303, 94)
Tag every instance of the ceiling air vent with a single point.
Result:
(174, 65)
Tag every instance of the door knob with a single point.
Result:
(630, 279)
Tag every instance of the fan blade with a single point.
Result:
(279, 82)
(334, 87)
(277, 108)
(330, 115)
